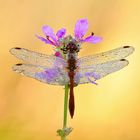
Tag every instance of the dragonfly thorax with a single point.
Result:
(70, 45)
(71, 62)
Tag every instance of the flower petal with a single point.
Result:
(92, 81)
(92, 77)
(48, 75)
(44, 40)
(81, 28)
(92, 39)
(60, 33)
(48, 31)
(51, 74)
(58, 54)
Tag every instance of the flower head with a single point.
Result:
(80, 30)
(51, 38)
(58, 40)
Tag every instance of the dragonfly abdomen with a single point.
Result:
(71, 99)
(71, 73)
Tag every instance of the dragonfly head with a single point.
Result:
(70, 45)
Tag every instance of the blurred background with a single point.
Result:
(31, 110)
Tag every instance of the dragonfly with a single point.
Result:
(71, 70)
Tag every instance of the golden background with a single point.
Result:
(31, 110)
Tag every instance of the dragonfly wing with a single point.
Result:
(36, 58)
(116, 54)
(54, 76)
(97, 71)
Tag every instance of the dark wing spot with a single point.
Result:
(19, 64)
(122, 59)
(17, 48)
(126, 46)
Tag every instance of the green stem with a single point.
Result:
(65, 110)
(65, 106)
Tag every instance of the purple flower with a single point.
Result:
(91, 75)
(49, 75)
(58, 39)
(51, 38)
(80, 30)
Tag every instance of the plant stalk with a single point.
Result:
(65, 110)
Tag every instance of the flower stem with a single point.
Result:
(65, 110)
(65, 131)
(65, 106)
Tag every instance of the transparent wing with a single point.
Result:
(111, 55)
(54, 76)
(97, 71)
(36, 58)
